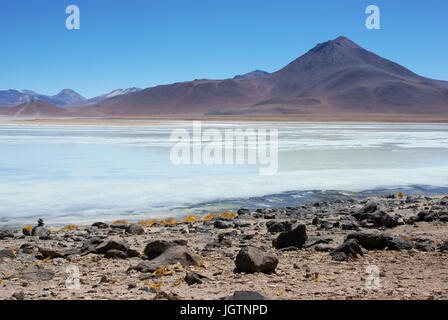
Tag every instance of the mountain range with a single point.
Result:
(65, 98)
(337, 76)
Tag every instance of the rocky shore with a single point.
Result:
(390, 247)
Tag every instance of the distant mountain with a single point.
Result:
(251, 75)
(336, 76)
(112, 94)
(65, 98)
(34, 108)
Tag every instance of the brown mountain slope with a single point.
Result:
(34, 108)
(337, 76)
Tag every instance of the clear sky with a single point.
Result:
(144, 43)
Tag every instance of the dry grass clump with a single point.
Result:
(70, 227)
(120, 222)
(191, 219)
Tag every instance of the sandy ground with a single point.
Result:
(167, 120)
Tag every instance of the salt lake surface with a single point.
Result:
(81, 174)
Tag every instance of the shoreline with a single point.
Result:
(326, 255)
(293, 118)
(220, 206)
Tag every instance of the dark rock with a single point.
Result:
(123, 226)
(269, 216)
(296, 237)
(339, 256)
(27, 232)
(28, 248)
(41, 232)
(222, 224)
(349, 248)
(323, 248)
(370, 207)
(132, 253)
(380, 219)
(399, 243)
(155, 248)
(313, 241)
(50, 253)
(18, 295)
(426, 216)
(278, 226)
(350, 225)
(135, 229)
(115, 254)
(443, 246)
(369, 241)
(112, 244)
(243, 211)
(89, 246)
(241, 224)
(194, 277)
(100, 225)
(247, 295)
(251, 259)
(172, 255)
(426, 245)
(6, 234)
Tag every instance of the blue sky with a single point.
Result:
(149, 42)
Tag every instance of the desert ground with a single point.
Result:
(391, 247)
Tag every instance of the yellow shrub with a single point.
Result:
(189, 219)
(69, 227)
(120, 222)
(228, 215)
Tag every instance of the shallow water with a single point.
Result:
(80, 174)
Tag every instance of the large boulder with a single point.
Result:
(171, 255)
(6, 234)
(370, 207)
(135, 229)
(112, 244)
(370, 241)
(294, 238)
(399, 243)
(251, 259)
(155, 248)
(350, 248)
(41, 232)
(89, 246)
(278, 226)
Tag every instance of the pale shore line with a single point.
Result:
(176, 119)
